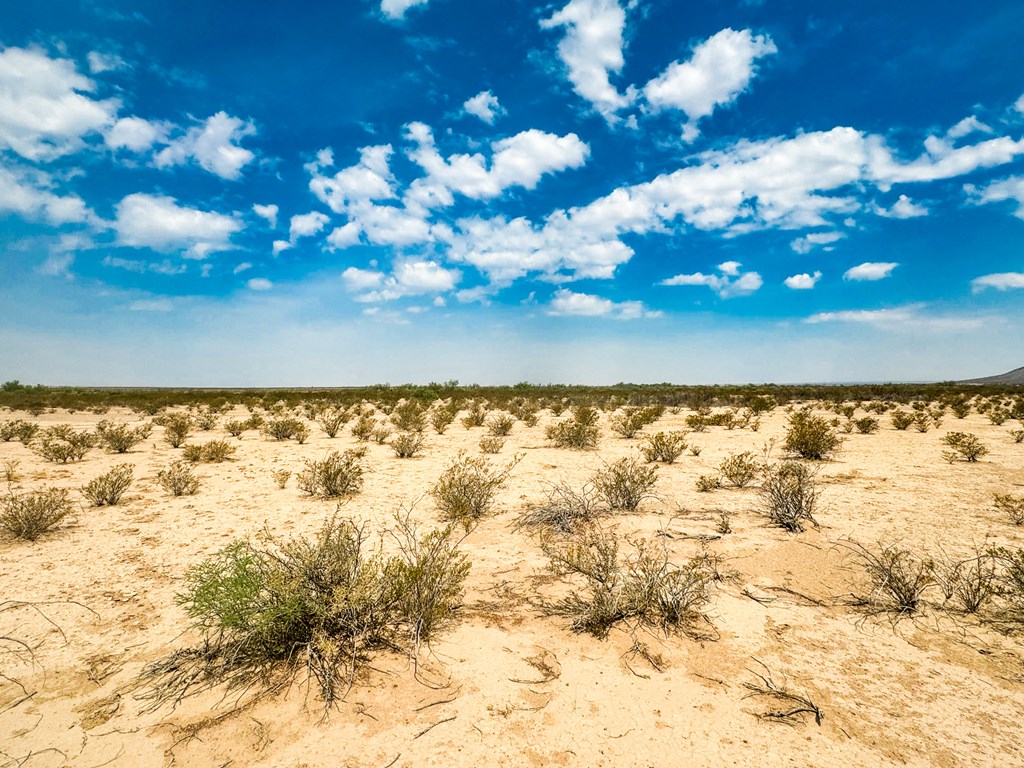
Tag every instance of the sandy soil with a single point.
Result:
(941, 689)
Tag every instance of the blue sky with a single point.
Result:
(583, 191)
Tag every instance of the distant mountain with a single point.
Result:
(1014, 377)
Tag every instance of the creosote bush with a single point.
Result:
(177, 427)
(579, 431)
(442, 416)
(965, 446)
(867, 425)
(970, 582)
(476, 415)
(407, 444)
(634, 418)
(61, 444)
(466, 490)
(178, 479)
(811, 437)
(235, 428)
(643, 588)
(665, 447)
(213, 452)
(625, 483)
(272, 607)
(29, 515)
(286, 428)
(492, 443)
(897, 577)
(901, 420)
(500, 425)
(338, 474)
(120, 438)
(364, 427)
(564, 509)
(1011, 506)
(789, 495)
(107, 489)
(708, 483)
(740, 469)
(409, 416)
(281, 477)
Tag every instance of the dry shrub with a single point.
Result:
(492, 443)
(665, 447)
(500, 425)
(381, 434)
(965, 446)
(1011, 506)
(29, 515)
(811, 437)
(281, 477)
(1010, 587)
(338, 474)
(476, 415)
(643, 588)
(564, 509)
(465, 491)
(740, 469)
(625, 483)
(789, 495)
(897, 577)
(1017, 435)
(971, 581)
(213, 452)
(107, 489)
(177, 427)
(120, 438)
(407, 444)
(178, 479)
(634, 418)
(901, 420)
(62, 444)
(708, 483)
(579, 431)
(409, 416)
(267, 609)
(10, 470)
(364, 427)
(331, 420)
(286, 428)
(235, 428)
(442, 416)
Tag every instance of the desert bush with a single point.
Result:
(214, 451)
(331, 420)
(901, 420)
(205, 420)
(579, 431)
(708, 483)
(811, 437)
(998, 415)
(867, 425)
(407, 444)
(965, 446)
(492, 443)
(1011, 506)
(960, 408)
(564, 509)
(897, 577)
(10, 470)
(789, 495)
(697, 422)
(286, 428)
(61, 444)
(625, 483)
(442, 416)
(695, 450)
(120, 438)
(1017, 435)
(178, 479)
(364, 427)
(739, 469)
(527, 411)
(107, 489)
(177, 427)
(665, 447)
(409, 416)
(325, 604)
(500, 425)
(1010, 574)
(634, 418)
(466, 490)
(20, 430)
(644, 588)
(972, 581)
(476, 415)
(8, 430)
(281, 477)
(922, 421)
(381, 434)
(235, 428)
(338, 474)
(29, 515)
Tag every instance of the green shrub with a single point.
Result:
(500, 425)
(409, 416)
(634, 418)
(811, 437)
(364, 427)
(407, 444)
(107, 489)
(476, 415)
(789, 495)
(901, 420)
(120, 438)
(867, 425)
(665, 447)
(579, 431)
(29, 515)
(1011, 579)
(965, 446)
(960, 408)
(281, 477)
(61, 444)
(466, 490)
(331, 420)
(922, 421)
(338, 474)
(492, 443)
(286, 428)
(442, 416)
(625, 483)
(214, 451)
(971, 582)
(177, 428)
(178, 479)
(235, 428)
(1011, 506)
(708, 483)
(740, 469)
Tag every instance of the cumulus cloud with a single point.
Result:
(729, 283)
(104, 62)
(259, 284)
(370, 179)
(268, 212)
(571, 304)
(870, 270)
(409, 277)
(307, 225)
(344, 236)
(136, 134)
(940, 161)
(802, 282)
(485, 106)
(903, 208)
(395, 9)
(1000, 281)
(719, 70)
(29, 194)
(213, 145)
(45, 111)
(592, 50)
(966, 127)
(813, 240)
(999, 191)
(159, 223)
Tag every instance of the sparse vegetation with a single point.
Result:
(1011, 506)
(281, 477)
(708, 483)
(665, 447)
(564, 509)
(177, 428)
(897, 578)
(964, 446)
(466, 490)
(337, 474)
(61, 444)
(178, 479)
(107, 489)
(811, 437)
(407, 444)
(634, 418)
(739, 469)
(492, 443)
(213, 452)
(789, 495)
(120, 438)
(625, 483)
(579, 431)
(331, 420)
(500, 425)
(30, 515)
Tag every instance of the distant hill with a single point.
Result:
(1014, 377)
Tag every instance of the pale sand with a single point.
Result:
(938, 690)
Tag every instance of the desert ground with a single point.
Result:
(88, 607)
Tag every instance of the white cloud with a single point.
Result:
(729, 283)
(409, 277)
(720, 69)
(813, 240)
(395, 9)
(803, 281)
(903, 208)
(485, 106)
(966, 127)
(158, 222)
(44, 113)
(998, 191)
(58, 265)
(344, 236)
(151, 305)
(307, 225)
(104, 62)
(164, 267)
(909, 318)
(370, 179)
(259, 284)
(213, 145)
(592, 49)
(268, 212)
(569, 303)
(135, 134)
(940, 161)
(871, 270)
(1019, 104)
(279, 246)
(1000, 281)
(244, 266)
(357, 279)
(28, 193)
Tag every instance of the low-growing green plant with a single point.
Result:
(1017, 435)
(10, 470)
(107, 489)
(1011, 506)
(364, 427)
(178, 479)
(381, 434)
(811, 437)
(492, 443)
(695, 450)
(500, 425)
(665, 447)
(739, 469)
(634, 418)
(337, 474)
(998, 415)
(625, 483)
(466, 490)
(235, 428)
(789, 495)
(409, 416)
(579, 431)
(922, 421)
(867, 425)
(960, 408)
(214, 451)
(708, 483)
(964, 446)
(29, 515)
(20, 430)
(177, 428)
(901, 420)
(120, 438)
(61, 444)
(442, 416)
(407, 444)
(205, 420)
(476, 415)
